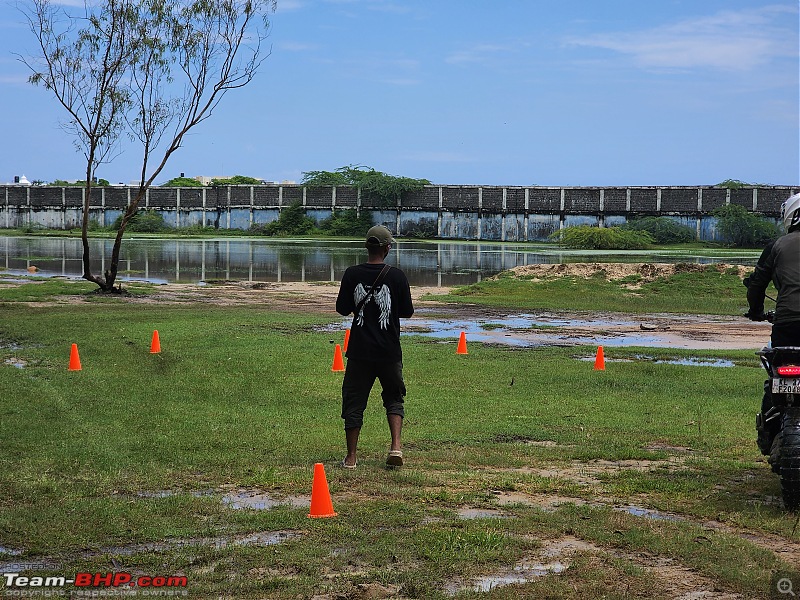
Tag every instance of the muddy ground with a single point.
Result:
(570, 328)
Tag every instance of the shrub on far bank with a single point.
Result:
(663, 230)
(347, 223)
(144, 221)
(585, 237)
(292, 221)
(743, 229)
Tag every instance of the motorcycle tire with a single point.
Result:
(790, 459)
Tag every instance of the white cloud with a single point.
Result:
(728, 40)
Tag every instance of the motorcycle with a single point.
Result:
(778, 423)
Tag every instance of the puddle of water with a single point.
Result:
(690, 362)
(259, 501)
(15, 362)
(528, 331)
(638, 511)
(698, 362)
(522, 574)
(170, 493)
(481, 513)
(261, 538)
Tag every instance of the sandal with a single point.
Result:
(395, 458)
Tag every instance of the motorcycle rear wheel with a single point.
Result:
(790, 459)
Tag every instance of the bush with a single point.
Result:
(182, 182)
(663, 230)
(607, 238)
(347, 222)
(422, 229)
(292, 221)
(743, 229)
(144, 221)
(237, 180)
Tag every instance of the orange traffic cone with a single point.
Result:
(346, 340)
(321, 505)
(155, 345)
(599, 360)
(462, 344)
(338, 361)
(74, 359)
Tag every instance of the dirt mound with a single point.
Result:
(613, 271)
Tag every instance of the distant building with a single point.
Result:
(21, 180)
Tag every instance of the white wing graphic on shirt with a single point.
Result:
(383, 298)
(358, 296)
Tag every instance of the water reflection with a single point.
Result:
(271, 260)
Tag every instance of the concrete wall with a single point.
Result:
(451, 212)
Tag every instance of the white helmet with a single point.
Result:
(790, 212)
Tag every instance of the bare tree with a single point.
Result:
(148, 70)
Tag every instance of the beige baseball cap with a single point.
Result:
(379, 236)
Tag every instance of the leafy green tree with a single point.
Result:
(733, 184)
(99, 183)
(237, 180)
(150, 70)
(743, 229)
(182, 182)
(385, 189)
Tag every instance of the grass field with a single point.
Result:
(642, 480)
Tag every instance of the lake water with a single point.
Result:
(443, 263)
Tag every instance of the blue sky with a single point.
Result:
(503, 92)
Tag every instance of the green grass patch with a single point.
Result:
(244, 398)
(703, 292)
(40, 289)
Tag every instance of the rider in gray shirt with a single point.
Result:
(780, 263)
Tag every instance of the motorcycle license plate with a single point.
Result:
(786, 386)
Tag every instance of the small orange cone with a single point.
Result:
(346, 340)
(599, 360)
(462, 344)
(74, 359)
(155, 345)
(338, 361)
(321, 505)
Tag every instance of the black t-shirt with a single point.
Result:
(375, 333)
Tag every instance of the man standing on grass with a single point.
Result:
(378, 295)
